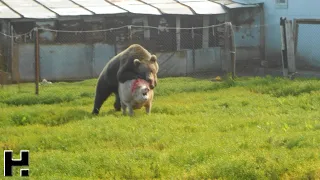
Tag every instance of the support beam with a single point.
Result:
(284, 47)
(226, 63)
(205, 32)
(262, 35)
(232, 52)
(147, 30)
(178, 25)
(290, 47)
(37, 60)
(295, 34)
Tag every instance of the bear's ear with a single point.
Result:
(153, 58)
(136, 62)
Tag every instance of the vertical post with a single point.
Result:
(12, 54)
(232, 51)
(114, 40)
(130, 34)
(36, 55)
(146, 30)
(92, 60)
(290, 47)
(15, 75)
(178, 32)
(262, 35)
(227, 61)
(205, 32)
(295, 34)
(8, 49)
(193, 51)
(284, 46)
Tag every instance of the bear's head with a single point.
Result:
(150, 69)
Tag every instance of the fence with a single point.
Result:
(81, 55)
(307, 44)
(9, 71)
(59, 55)
(68, 55)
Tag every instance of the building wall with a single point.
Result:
(77, 62)
(247, 32)
(309, 35)
(64, 62)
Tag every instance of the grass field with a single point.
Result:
(250, 128)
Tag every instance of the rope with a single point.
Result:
(128, 26)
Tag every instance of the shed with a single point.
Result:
(159, 24)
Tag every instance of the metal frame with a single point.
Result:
(296, 23)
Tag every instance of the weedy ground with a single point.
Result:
(248, 128)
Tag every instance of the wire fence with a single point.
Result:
(67, 55)
(6, 60)
(73, 54)
(307, 51)
(78, 54)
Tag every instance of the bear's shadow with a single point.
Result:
(112, 112)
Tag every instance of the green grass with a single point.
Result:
(249, 128)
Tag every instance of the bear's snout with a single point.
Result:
(151, 83)
(151, 86)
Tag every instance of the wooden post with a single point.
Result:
(205, 32)
(36, 55)
(146, 29)
(290, 47)
(114, 39)
(283, 47)
(15, 75)
(130, 34)
(232, 51)
(7, 30)
(178, 24)
(12, 54)
(295, 34)
(262, 35)
(226, 63)
(193, 51)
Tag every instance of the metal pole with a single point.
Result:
(284, 46)
(130, 34)
(36, 55)
(193, 52)
(227, 62)
(232, 51)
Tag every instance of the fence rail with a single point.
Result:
(64, 55)
(68, 55)
(307, 44)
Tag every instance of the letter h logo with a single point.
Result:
(9, 163)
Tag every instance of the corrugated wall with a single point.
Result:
(65, 62)
(85, 61)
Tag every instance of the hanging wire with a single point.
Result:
(127, 26)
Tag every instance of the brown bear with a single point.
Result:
(122, 68)
(135, 94)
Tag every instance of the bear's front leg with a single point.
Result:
(148, 108)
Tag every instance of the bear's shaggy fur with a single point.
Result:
(122, 68)
(135, 94)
